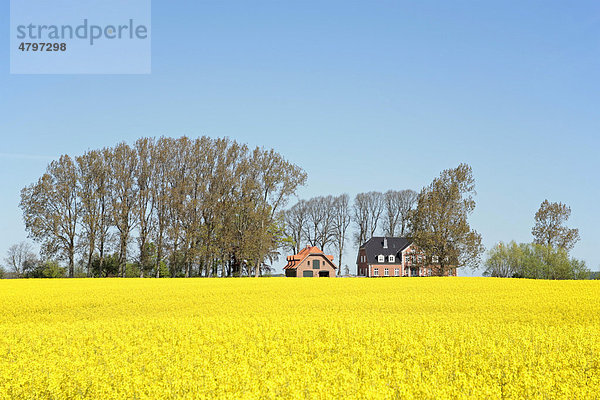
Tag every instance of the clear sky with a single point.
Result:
(363, 95)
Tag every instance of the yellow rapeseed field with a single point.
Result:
(413, 338)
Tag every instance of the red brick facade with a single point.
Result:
(405, 262)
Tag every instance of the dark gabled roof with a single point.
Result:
(374, 247)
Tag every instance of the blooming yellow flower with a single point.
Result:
(406, 338)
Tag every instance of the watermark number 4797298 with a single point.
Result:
(42, 46)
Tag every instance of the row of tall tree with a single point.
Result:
(197, 207)
(214, 207)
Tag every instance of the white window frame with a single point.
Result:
(397, 272)
(376, 272)
(391, 258)
(381, 258)
(386, 272)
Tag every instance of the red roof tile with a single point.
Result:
(296, 259)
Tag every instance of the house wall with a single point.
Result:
(410, 253)
(381, 269)
(362, 266)
(307, 265)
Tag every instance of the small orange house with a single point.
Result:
(309, 262)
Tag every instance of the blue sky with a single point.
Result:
(363, 95)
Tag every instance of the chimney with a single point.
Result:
(385, 243)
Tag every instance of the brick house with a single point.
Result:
(309, 262)
(392, 256)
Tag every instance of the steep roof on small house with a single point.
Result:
(296, 259)
(387, 246)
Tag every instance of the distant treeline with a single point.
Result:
(214, 207)
(534, 261)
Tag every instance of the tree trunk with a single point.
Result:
(101, 262)
(89, 262)
(158, 253)
(143, 257)
(123, 257)
(71, 263)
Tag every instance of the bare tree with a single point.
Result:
(295, 220)
(20, 257)
(397, 207)
(361, 218)
(375, 207)
(341, 222)
(319, 229)
(368, 208)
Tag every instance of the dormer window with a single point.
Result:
(381, 258)
(391, 258)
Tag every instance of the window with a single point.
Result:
(307, 274)
(380, 258)
(316, 264)
(435, 259)
(391, 258)
(376, 272)
(397, 272)
(386, 272)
